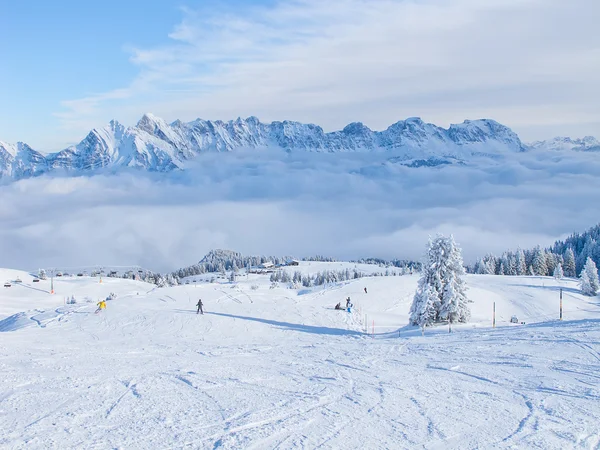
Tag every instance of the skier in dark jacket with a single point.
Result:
(365, 290)
(199, 305)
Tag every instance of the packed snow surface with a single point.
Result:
(280, 368)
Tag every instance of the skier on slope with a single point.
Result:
(101, 305)
(200, 305)
(365, 290)
(347, 302)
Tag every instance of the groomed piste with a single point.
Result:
(273, 367)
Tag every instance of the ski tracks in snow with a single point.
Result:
(130, 387)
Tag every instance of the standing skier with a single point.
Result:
(347, 302)
(365, 290)
(199, 305)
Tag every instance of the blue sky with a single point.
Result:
(52, 51)
(68, 66)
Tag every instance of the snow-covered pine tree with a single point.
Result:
(454, 307)
(511, 264)
(530, 271)
(480, 267)
(521, 265)
(501, 270)
(569, 267)
(558, 271)
(426, 303)
(441, 292)
(490, 265)
(539, 262)
(589, 278)
(551, 262)
(584, 253)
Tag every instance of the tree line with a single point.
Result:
(569, 256)
(297, 279)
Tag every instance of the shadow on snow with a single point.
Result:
(293, 326)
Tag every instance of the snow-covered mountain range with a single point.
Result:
(586, 144)
(155, 145)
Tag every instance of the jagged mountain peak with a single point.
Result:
(151, 123)
(155, 145)
(356, 128)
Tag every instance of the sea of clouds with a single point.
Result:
(271, 202)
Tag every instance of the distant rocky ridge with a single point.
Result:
(586, 144)
(155, 145)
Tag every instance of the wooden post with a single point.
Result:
(560, 304)
(494, 319)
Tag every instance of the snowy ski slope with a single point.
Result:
(278, 368)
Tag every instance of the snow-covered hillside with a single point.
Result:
(280, 368)
(155, 145)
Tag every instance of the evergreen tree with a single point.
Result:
(480, 267)
(558, 271)
(441, 292)
(569, 267)
(521, 265)
(589, 278)
(426, 303)
(511, 266)
(539, 262)
(551, 262)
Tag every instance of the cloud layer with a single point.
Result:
(531, 64)
(263, 202)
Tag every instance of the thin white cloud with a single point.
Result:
(376, 61)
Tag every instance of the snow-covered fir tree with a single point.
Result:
(441, 292)
(589, 278)
(551, 262)
(558, 271)
(539, 262)
(569, 267)
(521, 264)
(424, 310)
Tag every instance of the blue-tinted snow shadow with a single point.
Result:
(30, 287)
(294, 326)
(581, 323)
(186, 311)
(548, 288)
